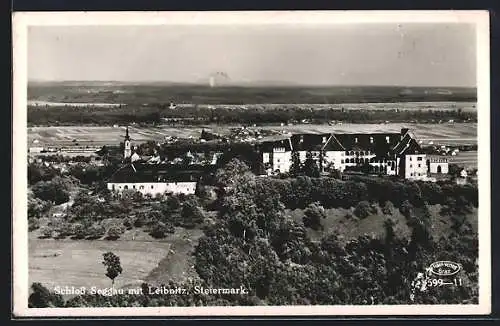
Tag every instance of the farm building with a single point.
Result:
(153, 179)
(386, 153)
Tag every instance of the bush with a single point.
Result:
(79, 231)
(363, 209)
(56, 190)
(406, 209)
(41, 297)
(161, 230)
(46, 232)
(114, 232)
(388, 208)
(191, 214)
(313, 215)
(63, 230)
(33, 224)
(95, 231)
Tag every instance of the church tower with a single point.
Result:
(127, 151)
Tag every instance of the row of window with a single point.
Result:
(419, 165)
(419, 158)
(365, 160)
(141, 187)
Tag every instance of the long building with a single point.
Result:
(382, 153)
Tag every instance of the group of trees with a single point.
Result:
(252, 243)
(194, 115)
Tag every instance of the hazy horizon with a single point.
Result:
(393, 55)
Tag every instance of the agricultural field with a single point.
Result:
(463, 133)
(466, 159)
(79, 262)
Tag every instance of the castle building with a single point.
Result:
(382, 153)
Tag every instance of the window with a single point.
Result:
(411, 165)
(387, 139)
(371, 140)
(125, 187)
(342, 161)
(152, 186)
(410, 158)
(141, 187)
(133, 186)
(355, 139)
(419, 165)
(278, 160)
(411, 174)
(419, 158)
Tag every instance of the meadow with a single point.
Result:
(78, 263)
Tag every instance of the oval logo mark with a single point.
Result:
(445, 268)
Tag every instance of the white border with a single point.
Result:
(21, 21)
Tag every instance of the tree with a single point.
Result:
(311, 168)
(296, 166)
(191, 213)
(363, 209)
(56, 190)
(113, 266)
(454, 170)
(41, 297)
(313, 215)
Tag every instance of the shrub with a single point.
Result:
(191, 214)
(388, 208)
(363, 209)
(161, 230)
(313, 215)
(114, 232)
(46, 232)
(406, 209)
(79, 231)
(33, 224)
(95, 231)
(55, 190)
(41, 297)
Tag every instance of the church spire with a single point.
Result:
(127, 151)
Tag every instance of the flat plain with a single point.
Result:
(444, 133)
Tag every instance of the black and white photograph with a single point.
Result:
(251, 163)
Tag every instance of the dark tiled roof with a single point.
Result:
(381, 143)
(156, 173)
(267, 146)
(309, 142)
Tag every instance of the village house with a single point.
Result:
(152, 175)
(153, 179)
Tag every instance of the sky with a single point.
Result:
(338, 54)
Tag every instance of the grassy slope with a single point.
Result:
(354, 227)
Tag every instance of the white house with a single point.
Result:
(153, 179)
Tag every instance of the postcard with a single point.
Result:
(251, 163)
